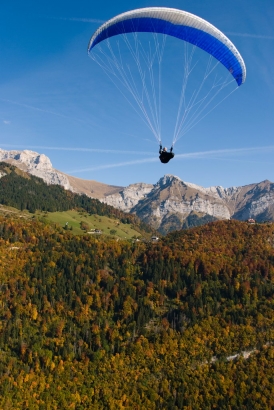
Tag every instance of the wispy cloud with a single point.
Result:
(81, 149)
(119, 164)
(57, 114)
(259, 36)
(85, 121)
(34, 108)
(81, 20)
(213, 154)
(6, 122)
(229, 151)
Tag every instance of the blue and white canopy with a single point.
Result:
(180, 24)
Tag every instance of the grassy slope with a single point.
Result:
(74, 218)
(9, 210)
(106, 224)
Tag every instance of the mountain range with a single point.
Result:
(167, 205)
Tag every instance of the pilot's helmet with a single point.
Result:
(165, 149)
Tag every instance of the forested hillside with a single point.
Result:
(106, 324)
(24, 191)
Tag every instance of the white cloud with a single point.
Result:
(6, 122)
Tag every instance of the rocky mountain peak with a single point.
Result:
(36, 164)
(32, 159)
(167, 179)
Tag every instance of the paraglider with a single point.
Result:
(141, 80)
(165, 156)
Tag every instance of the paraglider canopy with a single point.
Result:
(142, 78)
(180, 24)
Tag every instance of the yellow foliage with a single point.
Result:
(34, 313)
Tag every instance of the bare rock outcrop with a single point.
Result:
(128, 197)
(168, 203)
(36, 164)
(173, 197)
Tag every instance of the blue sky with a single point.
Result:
(55, 100)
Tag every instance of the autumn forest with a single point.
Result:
(101, 323)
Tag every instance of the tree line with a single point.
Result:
(27, 192)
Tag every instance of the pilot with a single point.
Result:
(165, 156)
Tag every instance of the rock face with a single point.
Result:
(36, 164)
(169, 202)
(172, 203)
(128, 197)
(255, 201)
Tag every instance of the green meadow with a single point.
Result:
(80, 222)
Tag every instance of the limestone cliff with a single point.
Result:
(36, 164)
(168, 203)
